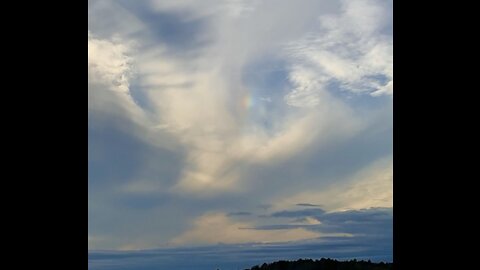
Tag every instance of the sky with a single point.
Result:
(239, 125)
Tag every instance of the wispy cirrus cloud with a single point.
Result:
(309, 204)
(351, 51)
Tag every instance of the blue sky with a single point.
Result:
(240, 123)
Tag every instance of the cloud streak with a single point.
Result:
(214, 228)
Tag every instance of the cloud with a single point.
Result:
(240, 256)
(108, 18)
(299, 213)
(110, 71)
(240, 213)
(188, 99)
(374, 223)
(308, 204)
(220, 147)
(306, 221)
(109, 63)
(351, 51)
(188, 116)
(372, 186)
(218, 228)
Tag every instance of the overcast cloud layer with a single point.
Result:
(240, 122)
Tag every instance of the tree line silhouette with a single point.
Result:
(323, 264)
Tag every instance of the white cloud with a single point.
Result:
(109, 63)
(214, 228)
(109, 73)
(384, 90)
(191, 99)
(348, 49)
(193, 103)
(112, 64)
(306, 221)
(372, 186)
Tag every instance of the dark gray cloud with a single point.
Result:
(240, 213)
(370, 223)
(299, 213)
(233, 257)
(170, 28)
(279, 227)
(116, 156)
(137, 20)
